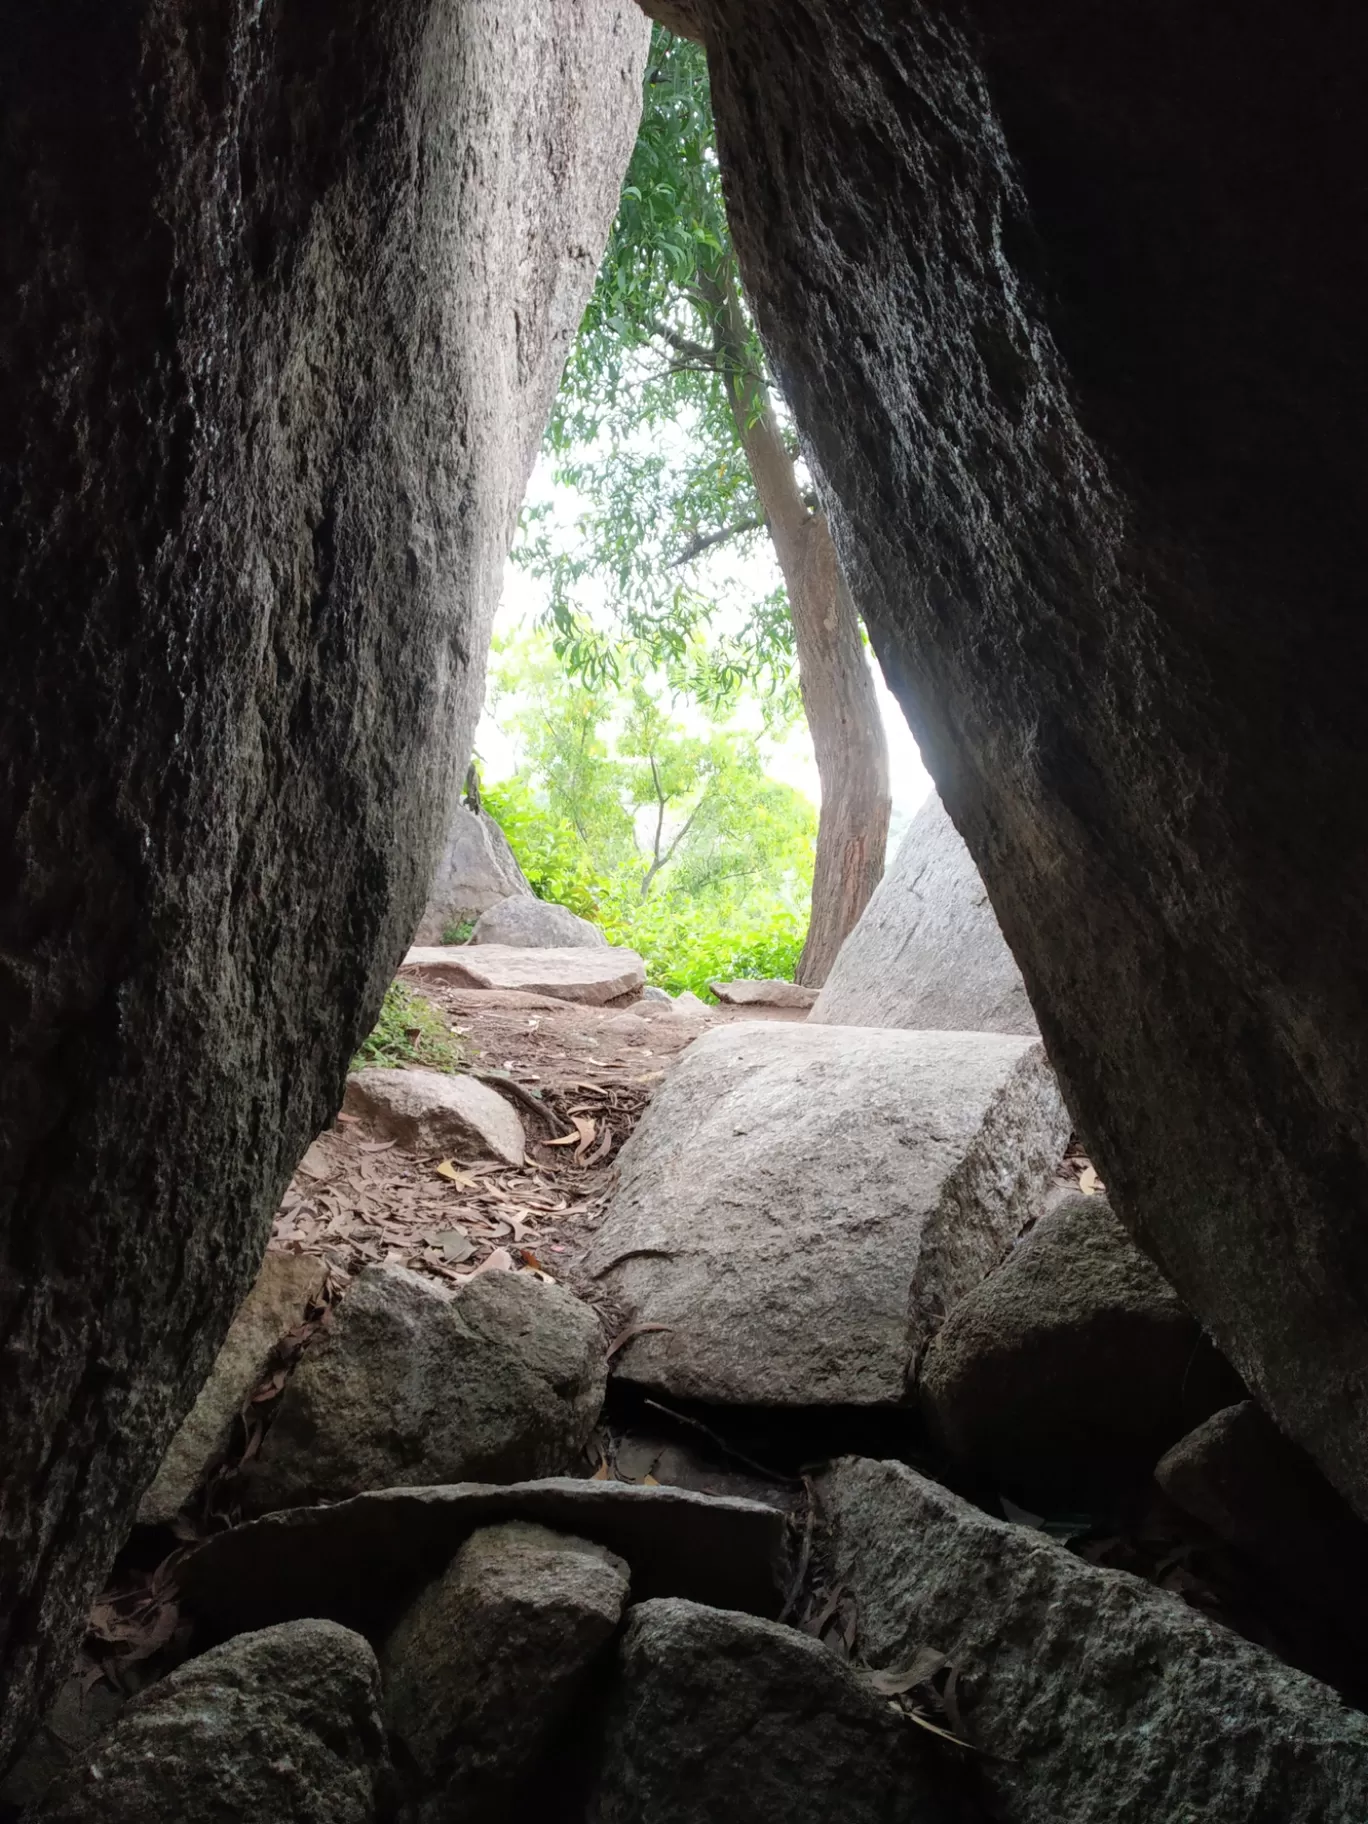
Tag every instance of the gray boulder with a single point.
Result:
(536, 924)
(800, 1205)
(477, 870)
(770, 992)
(719, 1718)
(1095, 1695)
(279, 1727)
(412, 1384)
(433, 1111)
(927, 953)
(486, 1664)
(1074, 1361)
(275, 1305)
(651, 993)
(589, 974)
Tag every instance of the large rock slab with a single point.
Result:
(362, 1561)
(413, 1384)
(927, 953)
(273, 373)
(476, 870)
(536, 924)
(725, 1719)
(590, 975)
(485, 1666)
(801, 1205)
(1102, 519)
(282, 1727)
(1073, 1364)
(770, 992)
(432, 1111)
(276, 1304)
(1096, 1696)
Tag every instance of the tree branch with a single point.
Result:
(705, 541)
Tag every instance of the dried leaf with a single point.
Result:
(601, 1473)
(623, 1337)
(452, 1175)
(500, 1261)
(456, 1246)
(1089, 1182)
(926, 1662)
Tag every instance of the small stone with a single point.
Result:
(486, 1664)
(590, 976)
(412, 1384)
(535, 924)
(768, 993)
(686, 1001)
(280, 1727)
(651, 993)
(429, 1111)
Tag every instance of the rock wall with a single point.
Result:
(286, 290)
(1067, 306)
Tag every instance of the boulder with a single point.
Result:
(432, 1111)
(536, 924)
(590, 975)
(927, 953)
(282, 1727)
(413, 1384)
(1102, 521)
(276, 1304)
(720, 1718)
(800, 1205)
(1072, 1364)
(651, 993)
(488, 1661)
(363, 1561)
(686, 1001)
(477, 870)
(274, 375)
(1095, 1695)
(771, 992)
(1258, 1492)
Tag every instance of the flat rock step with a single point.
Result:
(590, 976)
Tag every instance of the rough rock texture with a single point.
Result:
(411, 1384)
(771, 992)
(477, 870)
(927, 953)
(487, 1662)
(282, 1727)
(1261, 1494)
(589, 975)
(70, 1729)
(275, 1305)
(1074, 1361)
(651, 993)
(1096, 1695)
(536, 924)
(364, 1560)
(1077, 352)
(272, 375)
(719, 1718)
(434, 1111)
(802, 1204)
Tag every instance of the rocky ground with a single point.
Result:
(830, 1452)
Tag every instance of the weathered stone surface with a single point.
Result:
(1261, 1494)
(75, 1722)
(275, 1305)
(536, 924)
(1078, 358)
(273, 372)
(1095, 1695)
(487, 1662)
(927, 953)
(1073, 1362)
(800, 1204)
(411, 1385)
(771, 992)
(432, 1111)
(590, 976)
(651, 993)
(282, 1727)
(720, 1718)
(364, 1560)
(477, 870)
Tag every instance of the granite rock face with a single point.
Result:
(536, 924)
(282, 1727)
(411, 1384)
(927, 953)
(272, 375)
(1095, 1695)
(590, 974)
(477, 870)
(800, 1205)
(1077, 355)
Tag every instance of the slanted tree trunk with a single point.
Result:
(834, 677)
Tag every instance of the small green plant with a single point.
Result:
(459, 933)
(410, 1030)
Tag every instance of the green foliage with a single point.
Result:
(687, 944)
(460, 933)
(410, 1030)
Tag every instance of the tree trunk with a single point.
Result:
(834, 676)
